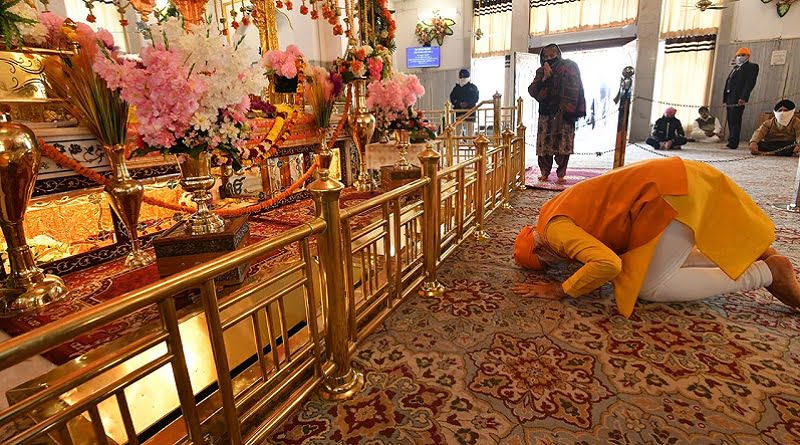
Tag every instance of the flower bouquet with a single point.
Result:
(322, 88)
(191, 91)
(364, 62)
(437, 28)
(102, 110)
(392, 102)
(281, 66)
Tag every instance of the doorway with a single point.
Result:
(601, 69)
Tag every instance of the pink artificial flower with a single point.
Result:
(375, 67)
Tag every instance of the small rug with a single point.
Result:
(574, 176)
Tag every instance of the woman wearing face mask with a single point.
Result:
(559, 90)
(780, 135)
(738, 86)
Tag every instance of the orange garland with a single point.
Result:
(53, 153)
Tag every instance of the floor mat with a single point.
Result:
(574, 176)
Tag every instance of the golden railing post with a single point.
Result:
(508, 172)
(449, 142)
(481, 148)
(432, 207)
(448, 113)
(521, 145)
(344, 381)
(498, 117)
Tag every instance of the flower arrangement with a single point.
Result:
(88, 97)
(782, 6)
(363, 62)
(392, 103)
(191, 91)
(330, 11)
(322, 88)
(437, 28)
(19, 24)
(282, 66)
(261, 108)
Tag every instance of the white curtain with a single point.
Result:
(558, 16)
(680, 18)
(683, 76)
(106, 16)
(493, 18)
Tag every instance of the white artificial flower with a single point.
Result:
(34, 33)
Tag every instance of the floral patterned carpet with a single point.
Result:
(481, 365)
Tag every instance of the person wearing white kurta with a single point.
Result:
(706, 128)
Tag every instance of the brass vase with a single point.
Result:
(196, 179)
(125, 195)
(361, 125)
(27, 288)
(403, 142)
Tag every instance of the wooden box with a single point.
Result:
(177, 251)
(391, 177)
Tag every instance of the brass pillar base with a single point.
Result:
(431, 289)
(33, 297)
(204, 223)
(139, 258)
(522, 187)
(481, 235)
(344, 387)
(788, 208)
(507, 206)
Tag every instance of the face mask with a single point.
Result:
(740, 60)
(783, 117)
(463, 81)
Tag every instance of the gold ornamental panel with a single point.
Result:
(21, 77)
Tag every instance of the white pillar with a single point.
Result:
(648, 25)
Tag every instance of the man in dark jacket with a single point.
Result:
(738, 86)
(667, 132)
(463, 97)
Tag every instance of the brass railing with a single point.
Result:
(230, 367)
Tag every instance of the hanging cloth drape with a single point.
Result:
(557, 16)
(493, 18)
(683, 76)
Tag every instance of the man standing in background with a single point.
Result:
(738, 86)
(463, 97)
(559, 90)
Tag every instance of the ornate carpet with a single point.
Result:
(481, 365)
(107, 281)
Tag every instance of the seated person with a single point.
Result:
(706, 128)
(780, 135)
(667, 132)
(666, 230)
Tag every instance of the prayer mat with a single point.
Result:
(574, 176)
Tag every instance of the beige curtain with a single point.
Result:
(106, 16)
(683, 76)
(557, 16)
(493, 18)
(679, 20)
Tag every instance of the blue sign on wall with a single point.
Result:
(423, 57)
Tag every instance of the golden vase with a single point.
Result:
(403, 142)
(125, 195)
(196, 179)
(26, 288)
(361, 125)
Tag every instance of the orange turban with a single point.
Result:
(525, 249)
(743, 52)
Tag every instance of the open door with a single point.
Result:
(525, 65)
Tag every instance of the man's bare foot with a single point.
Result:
(543, 178)
(785, 286)
(767, 253)
(561, 181)
(668, 145)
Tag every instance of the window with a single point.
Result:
(557, 16)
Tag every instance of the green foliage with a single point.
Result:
(10, 22)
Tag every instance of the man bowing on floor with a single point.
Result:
(666, 230)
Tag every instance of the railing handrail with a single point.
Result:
(18, 349)
(469, 112)
(456, 167)
(384, 198)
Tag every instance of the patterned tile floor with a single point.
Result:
(483, 366)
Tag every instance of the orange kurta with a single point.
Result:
(628, 209)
